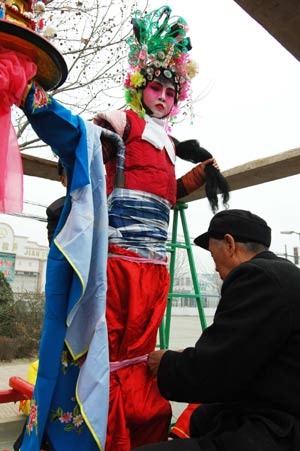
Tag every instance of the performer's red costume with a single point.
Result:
(146, 168)
(136, 300)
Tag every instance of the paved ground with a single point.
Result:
(11, 420)
(15, 368)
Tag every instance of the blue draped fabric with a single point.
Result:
(139, 221)
(70, 400)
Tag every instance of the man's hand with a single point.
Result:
(154, 359)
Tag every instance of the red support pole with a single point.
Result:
(11, 395)
(20, 390)
(22, 386)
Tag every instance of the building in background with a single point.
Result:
(23, 262)
(209, 285)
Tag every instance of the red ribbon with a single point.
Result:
(16, 70)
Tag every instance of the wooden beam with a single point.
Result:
(281, 18)
(39, 167)
(255, 172)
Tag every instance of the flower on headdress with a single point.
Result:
(133, 97)
(175, 110)
(136, 80)
(192, 69)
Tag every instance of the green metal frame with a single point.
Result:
(164, 330)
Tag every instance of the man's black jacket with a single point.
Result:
(250, 356)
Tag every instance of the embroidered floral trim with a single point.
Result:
(32, 418)
(66, 361)
(40, 97)
(73, 420)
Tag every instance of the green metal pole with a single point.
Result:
(164, 330)
(192, 266)
(172, 275)
(162, 338)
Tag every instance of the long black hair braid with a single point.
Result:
(216, 183)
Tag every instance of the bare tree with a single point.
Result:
(91, 35)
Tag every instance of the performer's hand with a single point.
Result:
(154, 359)
(212, 161)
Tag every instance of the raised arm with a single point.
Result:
(52, 122)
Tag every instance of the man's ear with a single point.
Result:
(229, 243)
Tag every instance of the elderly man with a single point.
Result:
(245, 367)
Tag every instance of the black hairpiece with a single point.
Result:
(216, 183)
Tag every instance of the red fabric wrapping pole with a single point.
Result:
(15, 72)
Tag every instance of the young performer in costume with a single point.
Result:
(141, 186)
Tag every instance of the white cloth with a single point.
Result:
(155, 133)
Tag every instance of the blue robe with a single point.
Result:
(70, 400)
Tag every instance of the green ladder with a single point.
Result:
(164, 330)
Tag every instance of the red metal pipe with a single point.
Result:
(20, 390)
(11, 395)
(21, 386)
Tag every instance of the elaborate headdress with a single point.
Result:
(158, 47)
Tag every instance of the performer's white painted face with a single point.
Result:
(159, 97)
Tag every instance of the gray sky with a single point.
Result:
(249, 109)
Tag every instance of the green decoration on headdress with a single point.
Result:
(158, 47)
(156, 40)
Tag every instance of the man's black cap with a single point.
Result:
(243, 225)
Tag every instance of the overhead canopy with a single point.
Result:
(281, 18)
